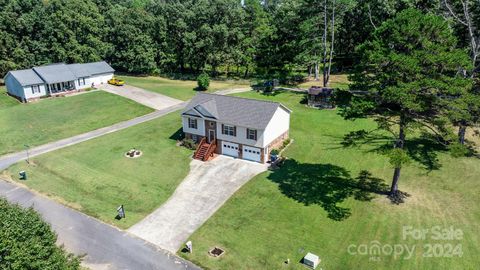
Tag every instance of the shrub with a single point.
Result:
(285, 143)
(190, 144)
(27, 242)
(203, 81)
(274, 152)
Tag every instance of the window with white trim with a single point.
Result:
(228, 130)
(192, 123)
(251, 134)
(81, 81)
(35, 89)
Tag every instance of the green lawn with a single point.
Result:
(95, 177)
(6, 101)
(336, 81)
(179, 89)
(57, 118)
(299, 207)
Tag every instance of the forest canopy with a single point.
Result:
(187, 36)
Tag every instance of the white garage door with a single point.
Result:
(230, 149)
(251, 153)
(100, 79)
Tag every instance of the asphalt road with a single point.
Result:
(106, 247)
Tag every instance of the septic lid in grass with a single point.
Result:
(216, 252)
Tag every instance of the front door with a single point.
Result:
(211, 135)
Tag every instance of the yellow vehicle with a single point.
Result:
(117, 82)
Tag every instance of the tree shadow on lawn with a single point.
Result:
(326, 185)
(423, 149)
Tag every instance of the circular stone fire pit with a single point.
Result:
(133, 153)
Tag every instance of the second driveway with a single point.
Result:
(147, 98)
(207, 187)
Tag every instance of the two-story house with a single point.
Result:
(233, 126)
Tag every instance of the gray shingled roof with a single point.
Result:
(26, 77)
(55, 73)
(60, 72)
(79, 70)
(234, 110)
(98, 67)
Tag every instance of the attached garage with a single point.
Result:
(100, 78)
(230, 149)
(252, 153)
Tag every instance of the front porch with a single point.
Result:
(61, 88)
(205, 149)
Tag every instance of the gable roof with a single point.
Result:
(26, 77)
(238, 111)
(59, 72)
(79, 70)
(55, 73)
(95, 67)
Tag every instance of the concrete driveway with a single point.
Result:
(147, 98)
(206, 188)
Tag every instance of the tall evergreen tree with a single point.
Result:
(408, 65)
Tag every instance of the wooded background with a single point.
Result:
(283, 38)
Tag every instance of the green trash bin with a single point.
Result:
(23, 175)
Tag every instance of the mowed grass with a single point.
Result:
(95, 177)
(179, 89)
(52, 119)
(6, 101)
(336, 81)
(288, 212)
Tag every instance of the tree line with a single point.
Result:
(241, 37)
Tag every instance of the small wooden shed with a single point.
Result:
(321, 97)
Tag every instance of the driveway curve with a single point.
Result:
(150, 99)
(206, 188)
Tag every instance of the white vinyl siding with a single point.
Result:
(200, 130)
(240, 136)
(279, 124)
(100, 78)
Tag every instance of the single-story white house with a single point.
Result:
(56, 79)
(238, 127)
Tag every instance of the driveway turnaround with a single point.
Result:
(105, 246)
(147, 98)
(7, 160)
(206, 188)
(233, 91)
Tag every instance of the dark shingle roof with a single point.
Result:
(55, 73)
(234, 110)
(26, 77)
(317, 90)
